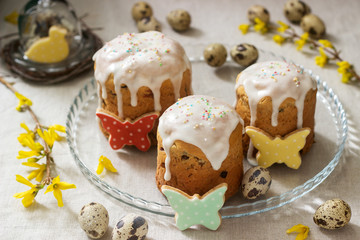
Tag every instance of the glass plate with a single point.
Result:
(134, 184)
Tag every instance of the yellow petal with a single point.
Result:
(65, 185)
(12, 17)
(244, 28)
(58, 196)
(325, 43)
(23, 180)
(301, 229)
(33, 174)
(40, 174)
(32, 164)
(107, 164)
(100, 168)
(50, 188)
(23, 194)
(278, 39)
(58, 127)
(46, 136)
(31, 160)
(56, 180)
(24, 126)
(23, 99)
(28, 200)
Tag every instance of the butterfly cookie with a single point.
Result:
(279, 149)
(192, 210)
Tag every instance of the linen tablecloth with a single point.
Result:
(212, 21)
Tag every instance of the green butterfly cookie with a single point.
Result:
(192, 210)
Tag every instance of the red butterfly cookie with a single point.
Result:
(128, 133)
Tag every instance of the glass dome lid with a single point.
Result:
(39, 16)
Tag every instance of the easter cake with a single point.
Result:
(200, 146)
(278, 98)
(139, 76)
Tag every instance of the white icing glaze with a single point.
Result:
(143, 59)
(278, 80)
(203, 121)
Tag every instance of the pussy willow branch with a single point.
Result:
(335, 54)
(47, 179)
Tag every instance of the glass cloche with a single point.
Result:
(38, 16)
(53, 44)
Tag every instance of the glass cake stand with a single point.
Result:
(134, 184)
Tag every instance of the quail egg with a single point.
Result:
(333, 214)
(131, 226)
(141, 10)
(179, 20)
(148, 24)
(258, 11)
(215, 54)
(313, 25)
(244, 54)
(94, 220)
(256, 182)
(294, 10)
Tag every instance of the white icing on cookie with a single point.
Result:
(278, 80)
(203, 121)
(141, 59)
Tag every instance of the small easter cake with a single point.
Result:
(278, 98)
(200, 146)
(139, 76)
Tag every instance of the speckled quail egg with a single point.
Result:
(256, 182)
(294, 10)
(179, 20)
(313, 25)
(215, 54)
(333, 214)
(258, 11)
(94, 220)
(141, 10)
(244, 54)
(131, 226)
(148, 24)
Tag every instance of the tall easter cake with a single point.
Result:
(277, 97)
(200, 146)
(138, 75)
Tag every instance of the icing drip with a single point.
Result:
(278, 80)
(144, 59)
(203, 121)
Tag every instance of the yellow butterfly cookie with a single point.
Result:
(51, 49)
(278, 150)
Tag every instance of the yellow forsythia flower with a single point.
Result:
(27, 154)
(28, 132)
(343, 69)
(322, 59)
(244, 28)
(58, 128)
(283, 26)
(22, 101)
(302, 231)
(38, 173)
(260, 26)
(29, 195)
(343, 66)
(28, 141)
(279, 39)
(104, 162)
(56, 186)
(12, 17)
(48, 136)
(325, 43)
(302, 41)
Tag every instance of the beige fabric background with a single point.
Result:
(212, 21)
